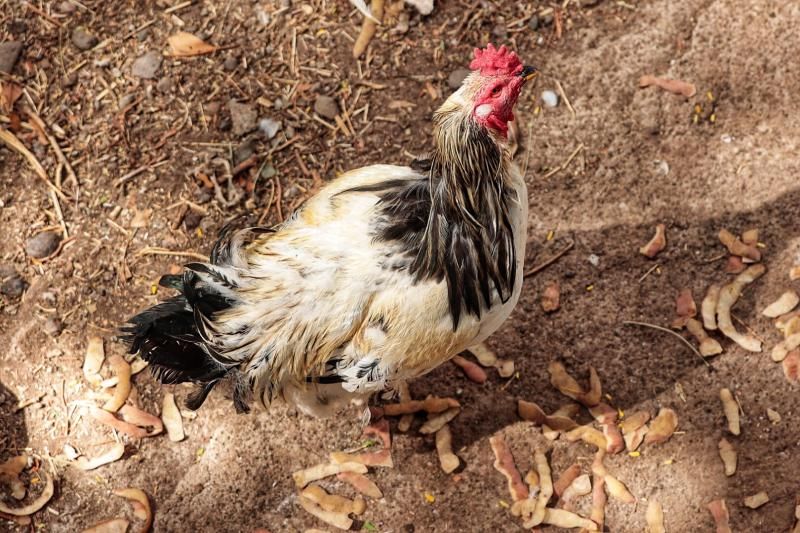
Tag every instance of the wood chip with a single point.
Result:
(662, 427)
(122, 371)
(171, 416)
(784, 304)
(678, 87)
(320, 471)
(114, 453)
(93, 360)
(338, 520)
(566, 478)
(504, 463)
(729, 294)
(737, 247)
(731, 410)
(483, 354)
(472, 370)
(332, 502)
(361, 483)
(551, 297)
(545, 489)
(719, 511)
(709, 307)
(141, 506)
(430, 405)
(444, 448)
(756, 500)
(437, 422)
(654, 516)
(728, 455)
(656, 244)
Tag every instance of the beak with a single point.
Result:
(529, 72)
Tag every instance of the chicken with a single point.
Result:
(382, 276)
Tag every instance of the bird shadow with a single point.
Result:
(635, 364)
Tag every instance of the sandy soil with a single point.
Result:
(644, 160)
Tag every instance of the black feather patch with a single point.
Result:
(453, 224)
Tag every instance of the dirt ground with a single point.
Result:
(641, 160)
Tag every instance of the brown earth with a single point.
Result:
(232, 473)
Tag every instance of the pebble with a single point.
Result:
(165, 84)
(230, 63)
(82, 39)
(244, 118)
(269, 127)
(66, 7)
(70, 80)
(13, 287)
(243, 151)
(326, 107)
(500, 31)
(268, 171)
(126, 100)
(146, 66)
(594, 260)
(53, 327)
(589, 3)
(262, 16)
(9, 53)
(192, 219)
(456, 78)
(533, 23)
(43, 244)
(549, 98)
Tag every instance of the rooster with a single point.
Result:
(380, 277)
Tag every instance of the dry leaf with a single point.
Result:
(678, 87)
(184, 44)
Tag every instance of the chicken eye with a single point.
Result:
(496, 90)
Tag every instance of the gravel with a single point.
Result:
(146, 66)
(82, 39)
(326, 107)
(549, 98)
(244, 118)
(43, 244)
(269, 127)
(9, 53)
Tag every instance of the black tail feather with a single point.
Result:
(166, 336)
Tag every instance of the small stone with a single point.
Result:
(13, 287)
(457, 77)
(48, 298)
(126, 100)
(533, 23)
(53, 327)
(146, 66)
(82, 39)
(546, 16)
(230, 63)
(278, 104)
(549, 98)
(269, 127)
(165, 84)
(500, 31)
(9, 53)
(589, 3)
(43, 244)
(594, 260)
(244, 118)
(70, 80)
(262, 16)
(289, 132)
(268, 172)
(66, 7)
(192, 219)
(326, 107)
(243, 151)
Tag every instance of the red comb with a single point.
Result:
(493, 61)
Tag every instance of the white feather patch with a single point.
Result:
(361, 5)
(483, 110)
